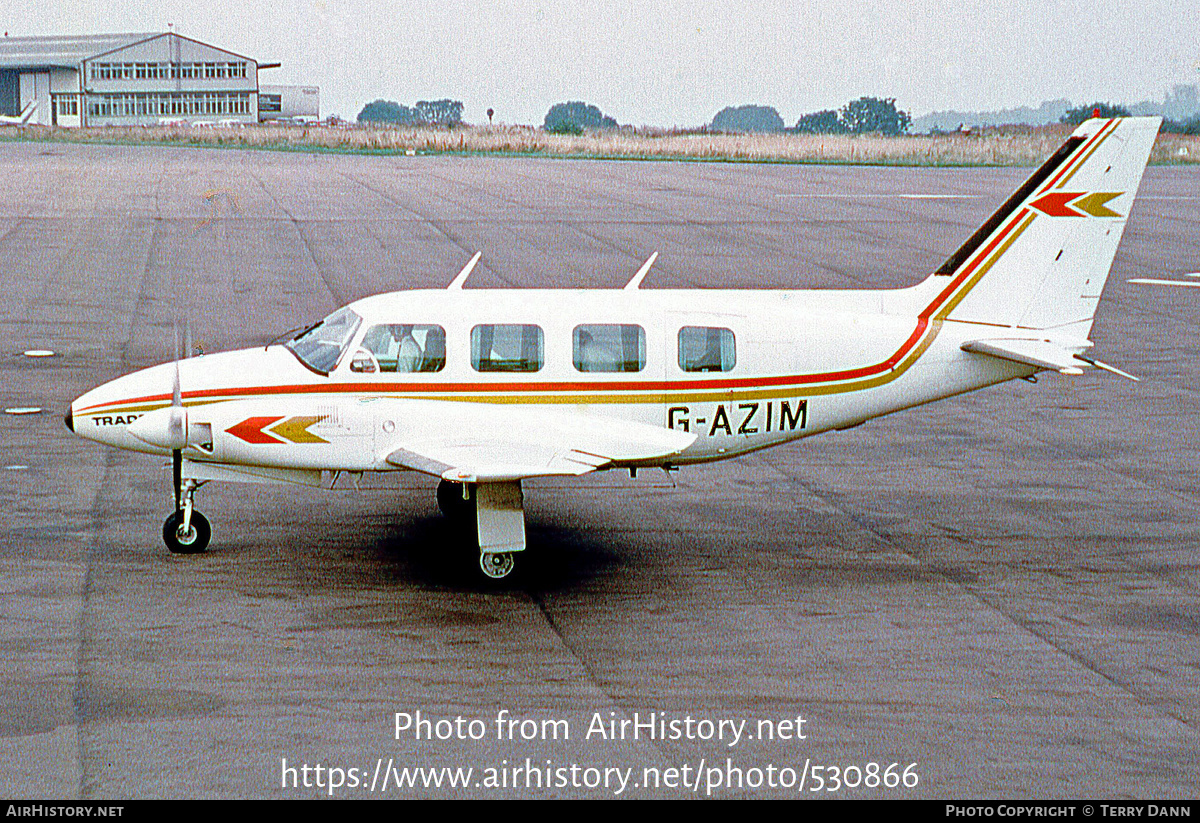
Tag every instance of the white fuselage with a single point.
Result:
(800, 363)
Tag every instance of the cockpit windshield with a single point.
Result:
(320, 346)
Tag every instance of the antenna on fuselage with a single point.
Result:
(641, 273)
(457, 283)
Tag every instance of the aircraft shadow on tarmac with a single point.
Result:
(433, 551)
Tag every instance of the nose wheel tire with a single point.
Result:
(194, 541)
(497, 565)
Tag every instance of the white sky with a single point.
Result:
(676, 63)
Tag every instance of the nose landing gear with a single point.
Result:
(186, 531)
(190, 539)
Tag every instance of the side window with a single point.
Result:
(510, 347)
(705, 348)
(609, 348)
(399, 347)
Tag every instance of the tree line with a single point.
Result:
(862, 116)
(444, 112)
(1077, 115)
(866, 115)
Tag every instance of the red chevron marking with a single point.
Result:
(1055, 203)
(251, 430)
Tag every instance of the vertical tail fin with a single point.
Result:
(1041, 261)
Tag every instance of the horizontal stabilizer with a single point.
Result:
(1041, 354)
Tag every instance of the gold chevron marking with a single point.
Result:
(296, 430)
(1093, 204)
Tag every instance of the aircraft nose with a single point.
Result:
(69, 419)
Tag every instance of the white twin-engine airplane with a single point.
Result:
(485, 388)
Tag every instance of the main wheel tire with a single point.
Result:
(193, 542)
(450, 500)
(497, 565)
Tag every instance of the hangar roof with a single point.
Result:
(66, 50)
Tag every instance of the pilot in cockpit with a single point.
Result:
(409, 354)
(394, 348)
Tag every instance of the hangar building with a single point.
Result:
(289, 103)
(127, 79)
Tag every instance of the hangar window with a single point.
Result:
(706, 348)
(609, 348)
(508, 348)
(66, 105)
(403, 348)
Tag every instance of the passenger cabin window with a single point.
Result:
(609, 348)
(705, 348)
(507, 348)
(400, 347)
(321, 345)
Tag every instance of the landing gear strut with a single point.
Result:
(456, 500)
(186, 531)
(492, 514)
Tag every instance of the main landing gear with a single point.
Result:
(493, 514)
(186, 531)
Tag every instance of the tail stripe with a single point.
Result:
(1085, 155)
(1056, 161)
(1024, 218)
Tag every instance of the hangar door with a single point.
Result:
(36, 86)
(10, 92)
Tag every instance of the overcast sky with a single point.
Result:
(676, 63)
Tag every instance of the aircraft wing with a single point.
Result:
(490, 442)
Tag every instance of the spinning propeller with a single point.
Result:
(167, 428)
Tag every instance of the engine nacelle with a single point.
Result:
(166, 428)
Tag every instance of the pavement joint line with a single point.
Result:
(995, 605)
(539, 601)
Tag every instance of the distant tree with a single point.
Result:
(1180, 127)
(872, 115)
(821, 122)
(444, 112)
(1078, 115)
(575, 116)
(747, 118)
(388, 111)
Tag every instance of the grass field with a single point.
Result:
(1016, 146)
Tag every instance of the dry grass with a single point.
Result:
(1017, 146)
